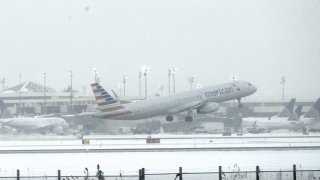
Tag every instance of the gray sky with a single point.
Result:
(259, 41)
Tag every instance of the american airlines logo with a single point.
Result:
(219, 92)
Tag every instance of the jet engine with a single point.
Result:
(209, 107)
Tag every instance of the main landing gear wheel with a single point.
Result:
(240, 104)
(188, 119)
(169, 118)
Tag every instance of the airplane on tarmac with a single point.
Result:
(284, 120)
(311, 119)
(203, 100)
(30, 124)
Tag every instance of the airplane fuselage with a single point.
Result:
(165, 105)
(268, 123)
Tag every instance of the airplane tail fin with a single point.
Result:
(288, 109)
(296, 114)
(5, 113)
(106, 103)
(314, 111)
(298, 110)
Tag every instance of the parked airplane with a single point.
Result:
(30, 124)
(312, 118)
(296, 114)
(284, 119)
(203, 100)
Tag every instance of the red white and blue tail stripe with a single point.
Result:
(106, 103)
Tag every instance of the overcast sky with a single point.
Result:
(259, 41)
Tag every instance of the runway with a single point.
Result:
(175, 143)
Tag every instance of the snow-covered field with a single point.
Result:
(156, 161)
(130, 162)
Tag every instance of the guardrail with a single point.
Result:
(258, 174)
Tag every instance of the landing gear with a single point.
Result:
(188, 118)
(240, 104)
(169, 118)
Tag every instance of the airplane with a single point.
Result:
(312, 118)
(203, 100)
(295, 116)
(283, 120)
(30, 124)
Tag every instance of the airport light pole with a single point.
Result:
(140, 74)
(233, 78)
(283, 81)
(190, 80)
(95, 73)
(71, 94)
(169, 83)
(124, 83)
(20, 91)
(199, 86)
(120, 86)
(161, 88)
(44, 75)
(174, 71)
(3, 82)
(145, 73)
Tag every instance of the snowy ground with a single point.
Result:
(164, 161)
(130, 162)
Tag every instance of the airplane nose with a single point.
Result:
(254, 89)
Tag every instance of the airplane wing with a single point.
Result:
(186, 107)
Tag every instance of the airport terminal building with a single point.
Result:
(32, 98)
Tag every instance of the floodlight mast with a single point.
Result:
(169, 83)
(124, 83)
(161, 88)
(145, 70)
(190, 80)
(120, 87)
(233, 78)
(71, 94)
(20, 91)
(140, 74)
(283, 81)
(174, 71)
(95, 73)
(44, 75)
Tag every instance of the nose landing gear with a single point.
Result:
(240, 104)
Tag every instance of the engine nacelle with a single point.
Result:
(208, 108)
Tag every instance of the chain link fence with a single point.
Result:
(258, 174)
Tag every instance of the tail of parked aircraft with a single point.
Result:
(106, 103)
(314, 111)
(288, 109)
(5, 113)
(296, 114)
